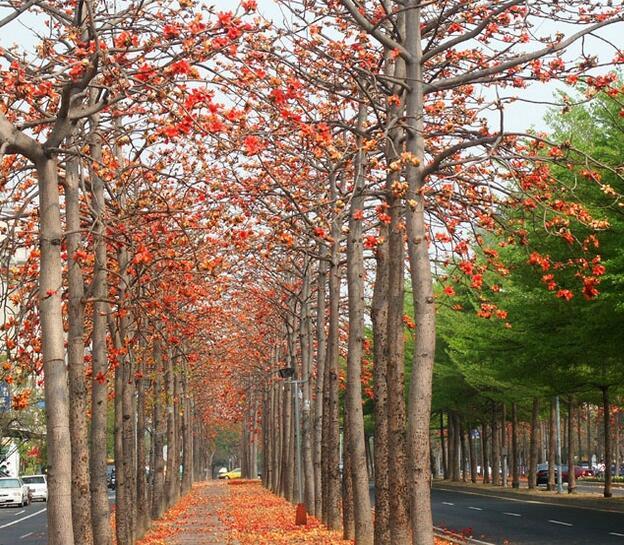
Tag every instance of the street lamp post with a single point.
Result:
(301, 516)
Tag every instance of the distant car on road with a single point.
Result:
(38, 485)
(234, 474)
(542, 473)
(13, 491)
(586, 469)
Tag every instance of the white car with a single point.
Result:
(38, 485)
(14, 492)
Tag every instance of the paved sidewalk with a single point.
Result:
(201, 525)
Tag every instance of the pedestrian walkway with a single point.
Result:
(239, 513)
(200, 524)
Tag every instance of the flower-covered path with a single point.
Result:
(237, 513)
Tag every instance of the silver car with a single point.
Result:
(14, 492)
(38, 485)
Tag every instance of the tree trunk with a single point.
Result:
(443, 447)
(187, 436)
(379, 319)
(484, 454)
(397, 449)
(589, 435)
(353, 406)
(99, 388)
(348, 511)
(60, 530)
(473, 456)
(122, 502)
(515, 455)
(143, 515)
(534, 444)
(158, 493)
(606, 406)
(422, 289)
(552, 445)
(287, 460)
(571, 447)
(305, 336)
(170, 379)
(496, 461)
(464, 450)
(331, 501)
(504, 447)
(616, 441)
(79, 428)
(321, 350)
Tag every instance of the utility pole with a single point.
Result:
(558, 424)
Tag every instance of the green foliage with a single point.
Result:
(546, 345)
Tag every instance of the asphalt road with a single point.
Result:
(27, 525)
(500, 521)
(24, 525)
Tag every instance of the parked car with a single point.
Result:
(586, 469)
(38, 485)
(542, 473)
(234, 474)
(221, 473)
(111, 481)
(13, 491)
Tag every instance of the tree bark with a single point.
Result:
(79, 428)
(143, 514)
(606, 407)
(515, 455)
(348, 507)
(534, 444)
(484, 454)
(571, 447)
(422, 288)
(552, 445)
(60, 529)
(464, 449)
(100, 513)
(355, 288)
(321, 350)
(473, 456)
(379, 319)
(445, 471)
(305, 336)
(496, 458)
(331, 501)
(158, 493)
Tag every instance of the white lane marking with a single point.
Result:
(507, 498)
(512, 514)
(19, 512)
(26, 535)
(475, 508)
(616, 534)
(24, 518)
(442, 532)
(447, 503)
(560, 523)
